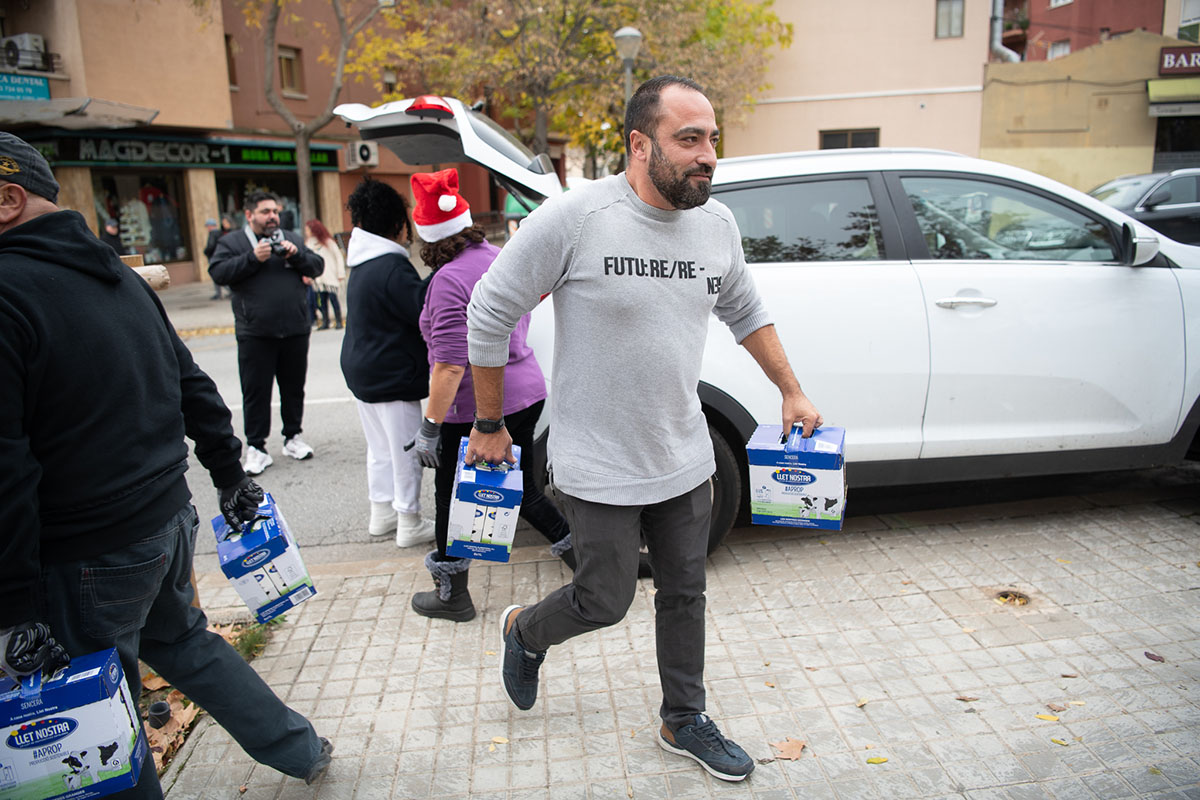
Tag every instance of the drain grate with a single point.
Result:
(1011, 597)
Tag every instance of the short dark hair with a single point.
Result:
(641, 113)
(259, 196)
(379, 209)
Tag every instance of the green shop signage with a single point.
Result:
(131, 151)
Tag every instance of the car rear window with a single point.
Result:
(830, 220)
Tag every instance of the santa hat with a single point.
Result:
(440, 211)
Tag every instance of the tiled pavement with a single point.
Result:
(898, 611)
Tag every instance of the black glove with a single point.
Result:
(239, 503)
(29, 647)
(426, 441)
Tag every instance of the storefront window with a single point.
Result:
(232, 191)
(148, 209)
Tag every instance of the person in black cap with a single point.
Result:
(96, 525)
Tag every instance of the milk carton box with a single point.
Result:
(800, 483)
(77, 735)
(263, 562)
(484, 509)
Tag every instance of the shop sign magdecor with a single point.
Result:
(103, 151)
(1179, 61)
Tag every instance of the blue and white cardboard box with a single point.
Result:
(484, 509)
(800, 483)
(79, 736)
(263, 563)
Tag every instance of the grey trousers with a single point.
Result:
(138, 600)
(606, 539)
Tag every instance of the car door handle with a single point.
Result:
(955, 302)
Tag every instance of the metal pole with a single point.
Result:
(628, 79)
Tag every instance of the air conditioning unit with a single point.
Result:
(24, 51)
(362, 154)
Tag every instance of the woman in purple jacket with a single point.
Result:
(457, 252)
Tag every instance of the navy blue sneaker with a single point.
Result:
(518, 666)
(704, 744)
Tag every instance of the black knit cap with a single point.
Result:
(22, 164)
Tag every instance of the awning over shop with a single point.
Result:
(75, 113)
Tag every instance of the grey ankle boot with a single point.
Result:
(450, 598)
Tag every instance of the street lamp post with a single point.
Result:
(629, 41)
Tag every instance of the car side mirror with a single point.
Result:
(1136, 249)
(542, 164)
(1158, 197)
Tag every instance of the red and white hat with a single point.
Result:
(439, 211)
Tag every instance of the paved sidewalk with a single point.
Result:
(803, 627)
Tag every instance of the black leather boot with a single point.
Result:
(450, 598)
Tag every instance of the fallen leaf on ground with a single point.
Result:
(964, 698)
(1047, 717)
(165, 740)
(1062, 561)
(1077, 703)
(1060, 742)
(862, 701)
(1055, 707)
(789, 749)
(226, 632)
(812, 669)
(491, 748)
(1070, 675)
(489, 652)
(766, 663)
(1154, 770)
(968, 630)
(152, 682)
(905, 583)
(499, 740)
(869, 747)
(769, 684)
(242, 789)
(1154, 657)
(877, 760)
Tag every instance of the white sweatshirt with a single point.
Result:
(632, 287)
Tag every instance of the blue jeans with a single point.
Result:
(138, 599)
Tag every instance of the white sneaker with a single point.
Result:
(297, 449)
(383, 519)
(256, 460)
(413, 529)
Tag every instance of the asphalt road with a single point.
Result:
(325, 498)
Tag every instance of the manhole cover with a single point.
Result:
(1011, 597)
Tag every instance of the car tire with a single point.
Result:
(726, 490)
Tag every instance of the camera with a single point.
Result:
(276, 239)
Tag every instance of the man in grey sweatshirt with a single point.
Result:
(634, 263)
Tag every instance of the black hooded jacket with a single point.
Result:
(269, 297)
(96, 395)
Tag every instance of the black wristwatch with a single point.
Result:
(488, 425)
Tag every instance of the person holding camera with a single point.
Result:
(264, 266)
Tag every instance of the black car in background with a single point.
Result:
(1169, 202)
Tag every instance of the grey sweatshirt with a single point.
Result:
(632, 287)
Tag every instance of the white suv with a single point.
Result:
(962, 319)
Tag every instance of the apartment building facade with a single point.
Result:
(154, 114)
(910, 77)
